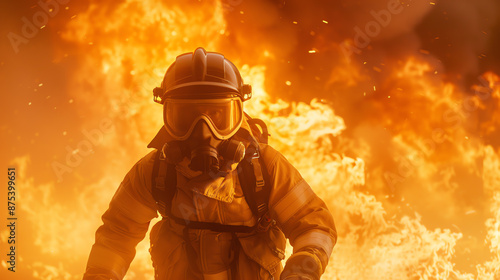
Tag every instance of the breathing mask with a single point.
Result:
(203, 130)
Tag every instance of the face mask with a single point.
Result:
(206, 153)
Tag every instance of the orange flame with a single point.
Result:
(402, 212)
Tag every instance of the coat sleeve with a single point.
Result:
(125, 224)
(301, 214)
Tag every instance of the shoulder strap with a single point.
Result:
(164, 182)
(254, 181)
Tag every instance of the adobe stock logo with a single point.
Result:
(31, 27)
(363, 38)
(84, 148)
(230, 5)
(454, 119)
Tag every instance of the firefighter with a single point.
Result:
(228, 200)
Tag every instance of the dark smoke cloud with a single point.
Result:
(455, 34)
(466, 32)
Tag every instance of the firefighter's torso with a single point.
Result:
(185, 253)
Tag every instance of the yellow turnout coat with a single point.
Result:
(300, 215)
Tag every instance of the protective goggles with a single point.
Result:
(223, 115)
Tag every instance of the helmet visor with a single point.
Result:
(223, 115)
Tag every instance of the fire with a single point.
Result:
(402, 186)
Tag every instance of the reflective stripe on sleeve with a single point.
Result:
(101, 257)
(316, 238)
(293, 201)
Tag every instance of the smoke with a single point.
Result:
(455, 35)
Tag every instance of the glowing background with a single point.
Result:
(401, 140)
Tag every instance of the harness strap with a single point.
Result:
(164, 183)
(191, 253)
(254, 181)
(235, 249)
(216, 227)
(157, 192)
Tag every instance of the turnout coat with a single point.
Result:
(299, 215)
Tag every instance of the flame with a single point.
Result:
(399, 185)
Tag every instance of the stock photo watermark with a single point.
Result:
(75, 155)
(363, 37)
(453, 118)
(31, 27)
(230, 5)
(94, 137)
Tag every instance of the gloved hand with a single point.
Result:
(302, 266)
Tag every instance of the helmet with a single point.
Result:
(202, 86)
(201, 73)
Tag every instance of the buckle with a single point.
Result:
(262, 207)
(163, 153)
(260, 184)
(256, 155)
